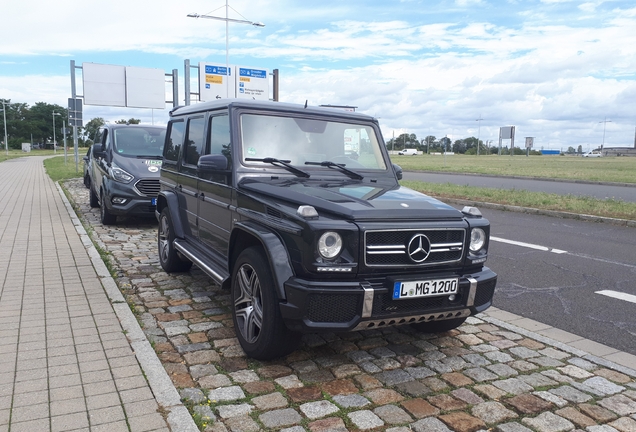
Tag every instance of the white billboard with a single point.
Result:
(145, 88)
(123, 86)
(104, 84)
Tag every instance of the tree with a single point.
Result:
(579, 150)
(91, 128)
(130, 121)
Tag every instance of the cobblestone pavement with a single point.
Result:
(478, 377)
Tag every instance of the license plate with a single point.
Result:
(425, 288)
(153, 201)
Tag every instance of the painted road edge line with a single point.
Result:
(617, 295)
(528, 245)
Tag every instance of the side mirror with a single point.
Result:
(98, 150)
(398, 171)
(212, 162)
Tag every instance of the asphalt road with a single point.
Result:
(624, 193)
(555, 277)
(551, 269)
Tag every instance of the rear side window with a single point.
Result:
(174, 141)
(220, 135)
(195, 141)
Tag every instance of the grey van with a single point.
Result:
(124, 177)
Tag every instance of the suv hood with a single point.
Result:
(356, 200)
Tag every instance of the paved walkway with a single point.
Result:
(65, 361)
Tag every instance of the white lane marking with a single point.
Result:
(618, 295)
(528, 245)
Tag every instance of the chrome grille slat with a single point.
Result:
(389, 248)
(148, 187)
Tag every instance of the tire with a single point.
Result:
(93, 200)
(106, 217)
(169, 258)
(438, 326)
(257, 319)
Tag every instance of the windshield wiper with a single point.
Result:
(149, 157)
(280, 163)
(341, 167)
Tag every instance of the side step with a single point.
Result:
(205, 263)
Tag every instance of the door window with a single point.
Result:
(194, 141)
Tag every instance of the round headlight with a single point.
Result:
(330, 244)
(477, 239)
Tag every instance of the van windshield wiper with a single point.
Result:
(281, 163)
(149, 157)
(341, 167)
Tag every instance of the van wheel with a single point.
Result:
(106, 217)
(93, 200)
(257, 320)
(438, 326)
(169, 258)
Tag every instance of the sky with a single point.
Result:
(561, 71)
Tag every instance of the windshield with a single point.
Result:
(139, 141)
(301, 140)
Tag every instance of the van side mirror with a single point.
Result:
(398, 171)
(98, 150)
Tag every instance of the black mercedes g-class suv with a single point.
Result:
(299, 213)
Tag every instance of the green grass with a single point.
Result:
(19, 153)
(58, 170)
(606, 169)
(566, 203)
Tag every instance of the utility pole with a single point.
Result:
(478, 132)
(604, 124)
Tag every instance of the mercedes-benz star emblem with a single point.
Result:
(419, 247)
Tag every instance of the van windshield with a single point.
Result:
(139, 141)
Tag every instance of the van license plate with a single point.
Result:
(425, 288)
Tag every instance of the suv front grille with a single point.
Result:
(423, 247)
(148, 187)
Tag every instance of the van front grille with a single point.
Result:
(148, 187)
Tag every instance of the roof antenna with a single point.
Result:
(305, 103)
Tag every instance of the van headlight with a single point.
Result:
(477, 239)
(119, 175)
(329, 245)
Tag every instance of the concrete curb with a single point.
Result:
(560, 345)
(166, 394)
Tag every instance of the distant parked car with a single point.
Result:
(593, 153)
(408, 152)
(88, 160)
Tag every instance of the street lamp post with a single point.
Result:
(4, 115)
(227, 36)
(478, 132)
(604, 124)
(54, 146)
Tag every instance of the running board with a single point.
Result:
(205, 264)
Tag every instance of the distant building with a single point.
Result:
(550, 152)
(619, 151)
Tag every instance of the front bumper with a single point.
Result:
(313, 306)
(135, 205)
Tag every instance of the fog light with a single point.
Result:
(451, 297)
(119, 201)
